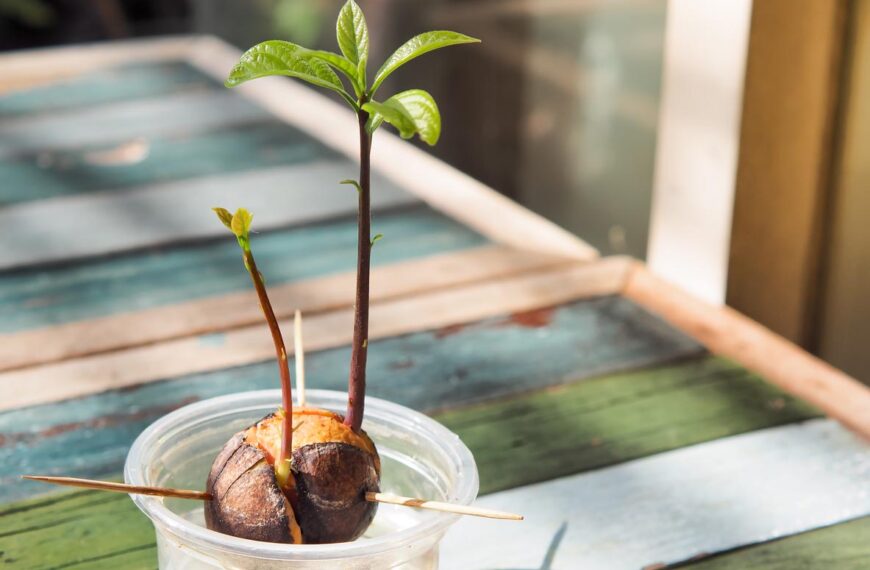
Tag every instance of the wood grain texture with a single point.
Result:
(51, 173)
(70, 531)
(52, 230)
(181, 113)
(246, 345)
(431, 370)
(671, 507)
(445, 188)
(793, 69)
(109, 85)
(842, 546)
(725, 331)
(40, 297)
(677, 405)
(221, 313)
(844, 319)
(608, 420)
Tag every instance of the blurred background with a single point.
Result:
(560, 109)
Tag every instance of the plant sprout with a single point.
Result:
(240, 225)
(411, 112)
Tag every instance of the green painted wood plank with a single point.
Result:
(609, 420)
(53, 173)
(568, 429)
(428, 370)
(44, 296)
(110, 85)
(844, 546)
(77, 530)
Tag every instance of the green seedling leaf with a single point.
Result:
(353, 37)
(373, 122)
(417, 46)
(412, 111)
(241, 223)
(224, 216)
(353, 183)
(376, 238)
(393, 114)
(276, 57)
(343, 65)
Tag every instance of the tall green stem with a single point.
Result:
(356, 389)
(283, 366)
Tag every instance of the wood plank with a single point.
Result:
(725, 331)
(113, 123)
(225, 312)
(793, 69)
(46, 296)
(842, 546)
(123, 83)
(678, 404)
(24, 69)
(608, 420)
(698, 142)
(677, 505)
(431, 370)
(844, 314)
(443, 187)
(161, 158)
(29, 536)
(246, 345)
(52, 230)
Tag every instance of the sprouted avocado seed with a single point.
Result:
(301, 476)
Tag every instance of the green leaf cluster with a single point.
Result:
(410, 112)
(239, 224)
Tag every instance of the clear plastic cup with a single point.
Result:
(420, 458)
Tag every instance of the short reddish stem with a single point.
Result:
(281, 352)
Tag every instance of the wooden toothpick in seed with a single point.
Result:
(201, 496)
(300, 358)
(439, 506)
(120, 487)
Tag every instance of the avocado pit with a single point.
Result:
(332, 469)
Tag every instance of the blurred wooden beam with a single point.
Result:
(698, 141)
(844, 324)
(786, 147)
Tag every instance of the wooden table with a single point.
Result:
(634, 426)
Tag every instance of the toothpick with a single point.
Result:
(300, 358)
(201, 496)
(121, 487)
(439, 506)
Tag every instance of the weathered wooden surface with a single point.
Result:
(691, 394)
(177, 113)
(127, 164)
(51, 230)
(843, 546)
(428, 370)
(110, 85)
(77, 530)
(520, 353)
(725, 331)
(43, 296)
(606, 421)
(677, 505)
(456, 266)
(250, 344)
